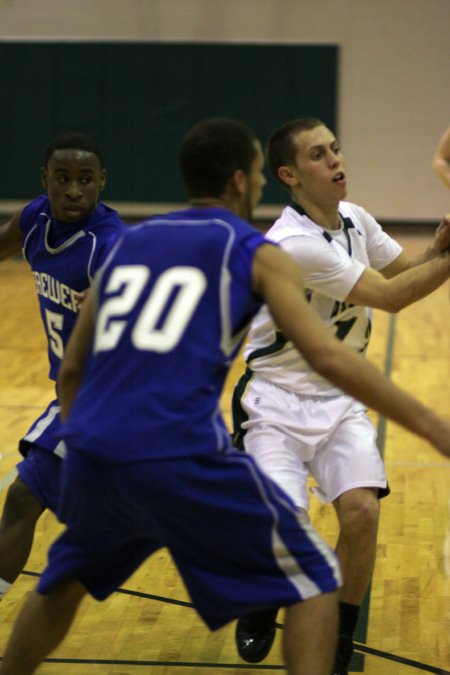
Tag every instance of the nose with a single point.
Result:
(73, 189)
(333, 159)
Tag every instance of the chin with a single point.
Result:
(72, 217)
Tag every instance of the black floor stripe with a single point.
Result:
(362, 648)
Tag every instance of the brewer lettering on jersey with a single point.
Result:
(54, 290)
(64, 259)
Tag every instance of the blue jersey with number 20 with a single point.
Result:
(174, 304)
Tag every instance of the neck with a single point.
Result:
(208, 201)
(325, 216)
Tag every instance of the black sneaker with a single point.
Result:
(343, 655)
(255, 634)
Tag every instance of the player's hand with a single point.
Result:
(441, 240)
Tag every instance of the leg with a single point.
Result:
(255, 633)
(20, 515)
(277, 455)
(358, 514)
(41, 625)
(317, 619)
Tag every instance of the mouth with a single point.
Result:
(73, 209)
(339, 177)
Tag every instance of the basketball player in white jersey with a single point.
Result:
(287, 416)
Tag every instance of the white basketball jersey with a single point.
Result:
(332, 262)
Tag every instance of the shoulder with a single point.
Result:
(291, 223)
(39, 207)
(105, 222)
(358, 215)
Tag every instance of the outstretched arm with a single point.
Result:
(10, 237)
(405, 281)
(400, 284)
(278, 280)
(441, 159)
(440, 243)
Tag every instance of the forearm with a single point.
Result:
(9, 244)
(358, 377)
(11, 237)
(416, 282)
(432, 251)
(395, 292)
(441, 168)
(441, 158)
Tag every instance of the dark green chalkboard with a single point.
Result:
(138, 99)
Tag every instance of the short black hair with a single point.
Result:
(281, 149)
(212, 151)
(75, 140)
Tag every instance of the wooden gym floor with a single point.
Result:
(150, 628)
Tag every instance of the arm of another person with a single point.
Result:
(11, 237)
(441, 159)
(277, 279)
(73, 364)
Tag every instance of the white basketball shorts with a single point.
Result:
(292, 436)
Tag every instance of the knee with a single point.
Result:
(359, 510)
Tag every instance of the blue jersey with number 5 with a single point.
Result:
(64, 258)
(174, 304)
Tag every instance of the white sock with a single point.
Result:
(4, 587)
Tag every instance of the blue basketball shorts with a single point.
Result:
(41, 473)
(237, 539)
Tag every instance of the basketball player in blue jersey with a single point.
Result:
(65, 236)
(291, 420)
(149, 463)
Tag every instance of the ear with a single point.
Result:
(102, 179)
(287, 175)
(239, 181)
(44, 177)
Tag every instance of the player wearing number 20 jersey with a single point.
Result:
(63, 258)
(172, 306)
(145, 309)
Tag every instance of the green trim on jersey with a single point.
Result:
(277, 346)
(239, 416)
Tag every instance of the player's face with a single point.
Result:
(73, 180)
(256, 182)
(319, 167)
